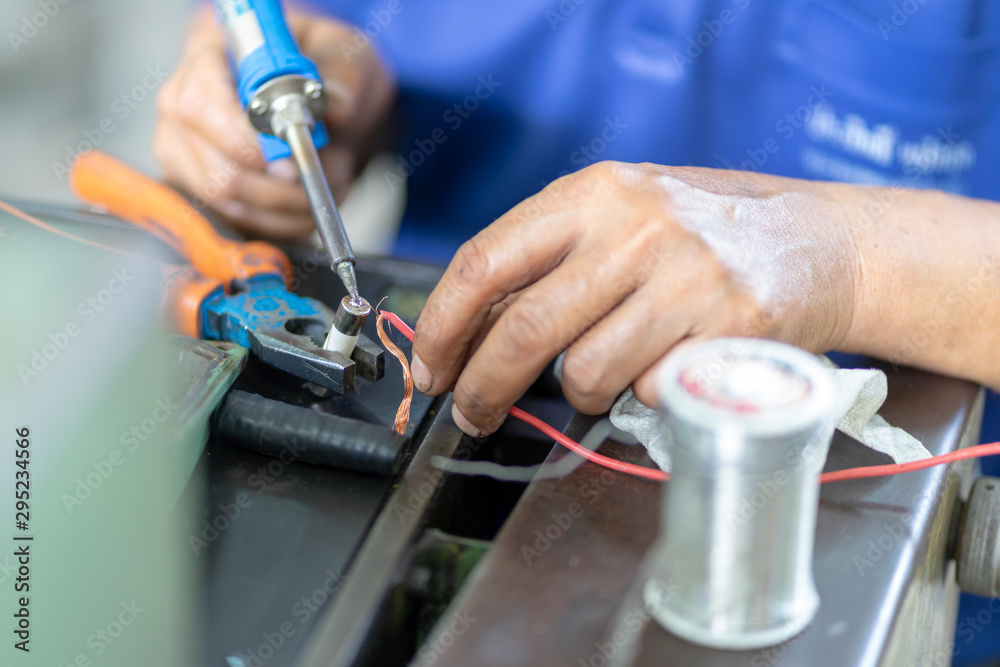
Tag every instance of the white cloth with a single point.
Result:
(860, 394)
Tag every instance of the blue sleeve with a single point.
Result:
(348, 11)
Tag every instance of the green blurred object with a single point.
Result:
(406, 302)
(117, 412)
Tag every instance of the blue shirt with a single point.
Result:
(502, 98)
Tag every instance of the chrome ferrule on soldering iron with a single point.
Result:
(283, 95)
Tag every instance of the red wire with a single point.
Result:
(896, 468)
(658, 475)
(599, 459)
(400, 324)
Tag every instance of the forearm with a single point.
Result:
(927, 287)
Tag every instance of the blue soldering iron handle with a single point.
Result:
(262, 48)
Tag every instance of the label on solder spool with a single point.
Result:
(765, 387)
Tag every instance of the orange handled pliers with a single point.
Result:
(233, 291)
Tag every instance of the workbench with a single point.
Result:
(325, 568)
(882, 555)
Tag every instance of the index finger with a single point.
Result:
(520, 247)
(545, 319)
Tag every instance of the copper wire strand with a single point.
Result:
(403, 413)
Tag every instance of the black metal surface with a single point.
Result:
(273, 428)
(298, 524)
(369, 359)
(353, 629)
(363, 626)
(283, 535)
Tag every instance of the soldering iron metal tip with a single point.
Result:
(346, 272)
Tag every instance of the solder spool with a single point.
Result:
(748, 429)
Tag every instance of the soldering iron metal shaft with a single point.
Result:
(328, 220)
(283, 95)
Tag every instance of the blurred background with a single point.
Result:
(80, 74)
(76, 74)
(68, 78)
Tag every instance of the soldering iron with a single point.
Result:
(284, 97)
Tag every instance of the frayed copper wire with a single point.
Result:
(403, 413)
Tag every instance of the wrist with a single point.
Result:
(863, 216)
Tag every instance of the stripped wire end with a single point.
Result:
(403, 413)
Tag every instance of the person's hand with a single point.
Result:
(207, 147)
(618, 263)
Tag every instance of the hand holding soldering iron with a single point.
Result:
(208, 148)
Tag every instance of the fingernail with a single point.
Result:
(467, 427)
(422, 378)
(283, 170)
